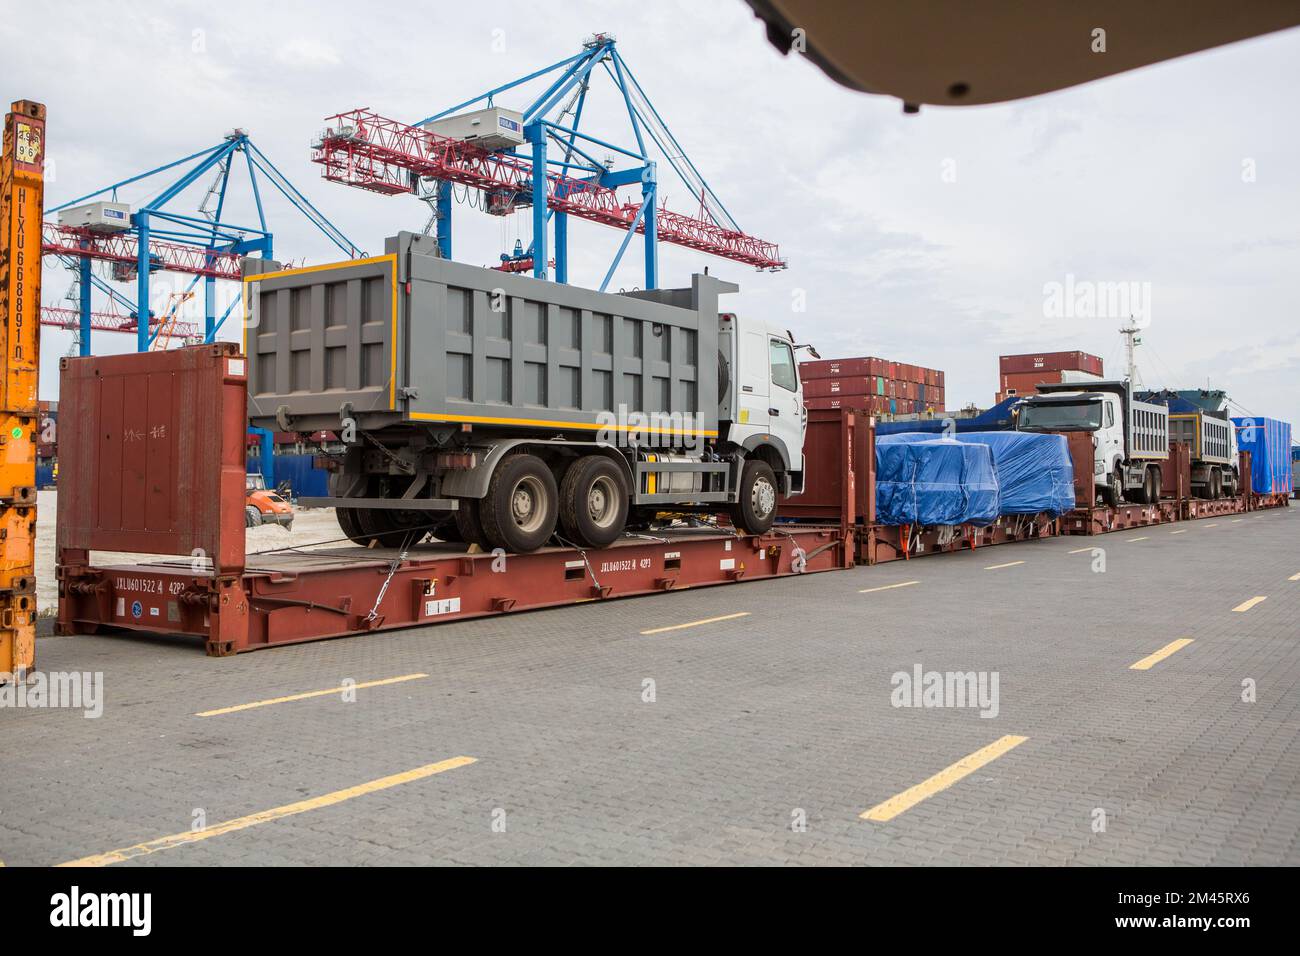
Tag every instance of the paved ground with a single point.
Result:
(757, 722)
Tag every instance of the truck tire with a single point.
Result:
(469, 526)
(1113, 493)
(593, 502)
(252, 517)
(347, 519)
(1216, 483)
(755, 510)
(378, 525)
(521, 506)
(1152, 486)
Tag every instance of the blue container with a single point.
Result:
(304, 479)
(1269, 443)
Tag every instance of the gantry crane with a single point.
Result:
(155, 238)
(557, 177)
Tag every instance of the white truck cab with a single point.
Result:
(761, 401)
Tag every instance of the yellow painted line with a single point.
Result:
(1247, 605)
(266, 816)
(889, 587)
(1151, 660)
(1143, 538)
(707, 620)
(942, 780)
(1080, 550)
(1235, 520)
(1179, 531)
(1212, 524)
(1009, 564)
(1294, 577)
(305, 695)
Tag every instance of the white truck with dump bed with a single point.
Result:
(1130, 439)
(498, 409)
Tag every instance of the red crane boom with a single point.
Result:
(371, 152)
(59, 240)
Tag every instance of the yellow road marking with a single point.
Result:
(889, 587)
(1247, 605)
(1009, 564)
(1294, 577)
(265, 816)
(1212, 524)
(1235, 520)
(1151, 660)
(1143, 538)
(307, 694)
(1079, 550)
(1179, 531)
(942, 780)
(707, 620)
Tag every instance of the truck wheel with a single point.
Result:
(469, 525)
(755, 511)
(593, 502)
(1216, 483)
(347, 519)
(520, 508)
(1113, 493)
(252, 517)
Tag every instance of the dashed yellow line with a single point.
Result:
(1143, 538)
(889, 587)
(1247, 605)
(1179, 531)
(266, 816)
(945, 778)
(1212, 524)
(1009, 564)
(1294, 577)
(1080, 550)
(1235, 520)
(1151, 660)
(707, 620)
(307, 694)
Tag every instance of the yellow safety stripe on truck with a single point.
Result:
(651, 476)
(546, 423)
(282, 273)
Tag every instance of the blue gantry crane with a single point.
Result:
(154, 237)
(540, 157)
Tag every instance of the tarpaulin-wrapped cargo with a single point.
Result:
(1269, 444)
(1035, 474)
(921, 480)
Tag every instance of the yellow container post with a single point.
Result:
(22, 195)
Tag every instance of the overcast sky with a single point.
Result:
(932, 239)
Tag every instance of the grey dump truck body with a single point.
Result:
(436, 374)
(409, 337)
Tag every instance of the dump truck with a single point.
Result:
(502, 410)
(1130, 438)
(1212, 440)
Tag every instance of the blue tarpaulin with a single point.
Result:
(1269, 443)
(1035, 474)
(921, 480)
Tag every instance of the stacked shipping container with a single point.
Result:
(873, 385)
(1021, 374)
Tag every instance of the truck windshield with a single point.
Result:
(1080, 416)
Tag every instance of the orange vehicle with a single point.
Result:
(263, 506)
